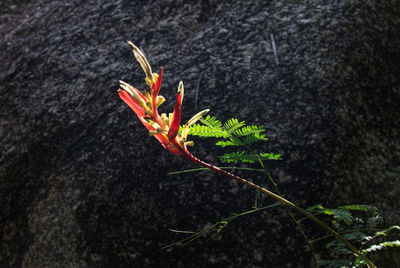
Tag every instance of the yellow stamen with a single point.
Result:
(185, 132)
(160, 100)
(148, 97)
(189, 143)
(170, 116)
(165, 119)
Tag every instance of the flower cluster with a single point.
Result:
(164, 128)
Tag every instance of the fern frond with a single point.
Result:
(247, 130)
(247, 157)
(354, 236)
(232, 124)
(231, 142)
(238, 133)
(207, 131)
(365, 208)
(384, 232)
(270, 156)
(387, 230)
(315, 209)
(254, 138)
(212, 122)
(339, 215)
(239, 157)
(382, 245)
(235, 141)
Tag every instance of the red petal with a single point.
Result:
(128, 99)
(154, 94)
(176, 118)
(162, 139)
(174, 151)
(155, 90)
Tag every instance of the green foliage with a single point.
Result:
(342, 214)
(207, 131)
(234, 133)
(384, 232)
(357, 229)
(356, 223)
(247, 157)
(382, 245)
(211, 122)
(219, 226)
(232, 124)
(365, 208)
(211, 127)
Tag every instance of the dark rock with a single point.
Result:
(82, 184)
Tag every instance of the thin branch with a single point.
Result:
(201, 169)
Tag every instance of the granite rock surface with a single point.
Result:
(82, 184)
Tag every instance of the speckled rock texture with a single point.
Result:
(82, 184)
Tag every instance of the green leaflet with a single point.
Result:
(211, 122)
(382, 245)
(232, 124)
(233, 133)
(365, 208)
(248, 157)
(206, 131)
(353, 221)
(231, 130)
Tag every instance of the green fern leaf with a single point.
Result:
(365, 208)
(339, 215)
(232, 124)
(247, 130)
(383, 245)
(270, 156)
(254, 138)
(211, 122)
(239, 157)
(231, 142)
(207, 131)
(354, 236)
(315, 209)
(247, 157)
(385, 232)
(235, 141)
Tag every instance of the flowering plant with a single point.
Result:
(165, 129)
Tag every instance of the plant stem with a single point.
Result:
(196, 235)
(293, 219)
(200, 169)
(194, 159)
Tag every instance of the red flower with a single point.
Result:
(164, 128)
